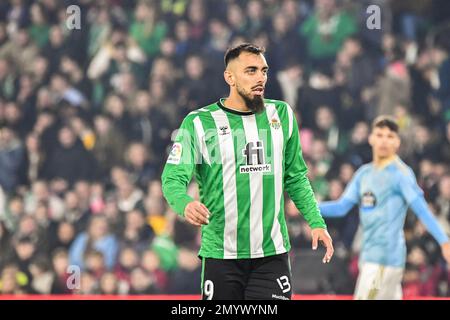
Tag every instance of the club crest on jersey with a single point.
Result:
(175, 153)
(368, 200)
(274, 123)
(224, 130)
(254, 158)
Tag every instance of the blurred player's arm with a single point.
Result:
(414, 197)
(299, 189)
(340, 207)
(177, 174)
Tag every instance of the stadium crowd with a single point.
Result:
(87, 116)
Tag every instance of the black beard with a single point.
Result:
(256, 104)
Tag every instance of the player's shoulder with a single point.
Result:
(283, 109)
(279, 104)
(400, 167)
(200, 111)
(363, 169)
(401, 170)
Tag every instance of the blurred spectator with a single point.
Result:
(60, 263)
(61, 235)
(128, 260)
(142, 282)
(185, 279)
(129, 196)
(146, 28)
(137, 233)
(11, 155)
(359, 151)
(111, 285)
(42, 275)
(94, 263)
(151, 263)
(70, 160)
(421, 279)
(326, 29)
(21, 50)
(13, 281)
(142, 171)
(441, 86)
(109, 144)
(443, 203)
(394, 86)
(97, 237)
(328, 130)
(32, 165)
(5, 238)
(88, 284)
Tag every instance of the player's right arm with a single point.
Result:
(340, 207)
(178, 172)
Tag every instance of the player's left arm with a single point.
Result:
(413, 195)
(299, 189)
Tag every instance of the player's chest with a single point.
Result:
(374, 189)
(251, 142)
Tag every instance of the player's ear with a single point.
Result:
(229, 77)
(398, 142)
(371, 139)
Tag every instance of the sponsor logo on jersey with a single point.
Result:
(175, 153)
(254, 158)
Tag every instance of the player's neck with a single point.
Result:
(235, 102)
(379, 162)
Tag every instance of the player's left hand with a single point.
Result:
(320, 234)
(445, 247)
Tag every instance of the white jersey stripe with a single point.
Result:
(201, 142)
(256, 192)
(291, 120)
(229, 185)
(277, 151)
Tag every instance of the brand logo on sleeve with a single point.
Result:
(175, 153)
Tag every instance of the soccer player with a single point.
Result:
(383, 190)
(244, 151)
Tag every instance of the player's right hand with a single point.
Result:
(196, 213)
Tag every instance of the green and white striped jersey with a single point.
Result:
(242, 163)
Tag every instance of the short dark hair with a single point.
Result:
(234, 52)
(385, 121)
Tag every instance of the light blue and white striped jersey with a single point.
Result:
(383, 196)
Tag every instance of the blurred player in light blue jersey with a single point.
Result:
(383, 190)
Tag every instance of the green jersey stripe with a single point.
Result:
(226, 147)
(268, 185)
(200, 132)
(210, 187)
(277, 160)
(243, 187)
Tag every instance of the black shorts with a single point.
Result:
(247, 279)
